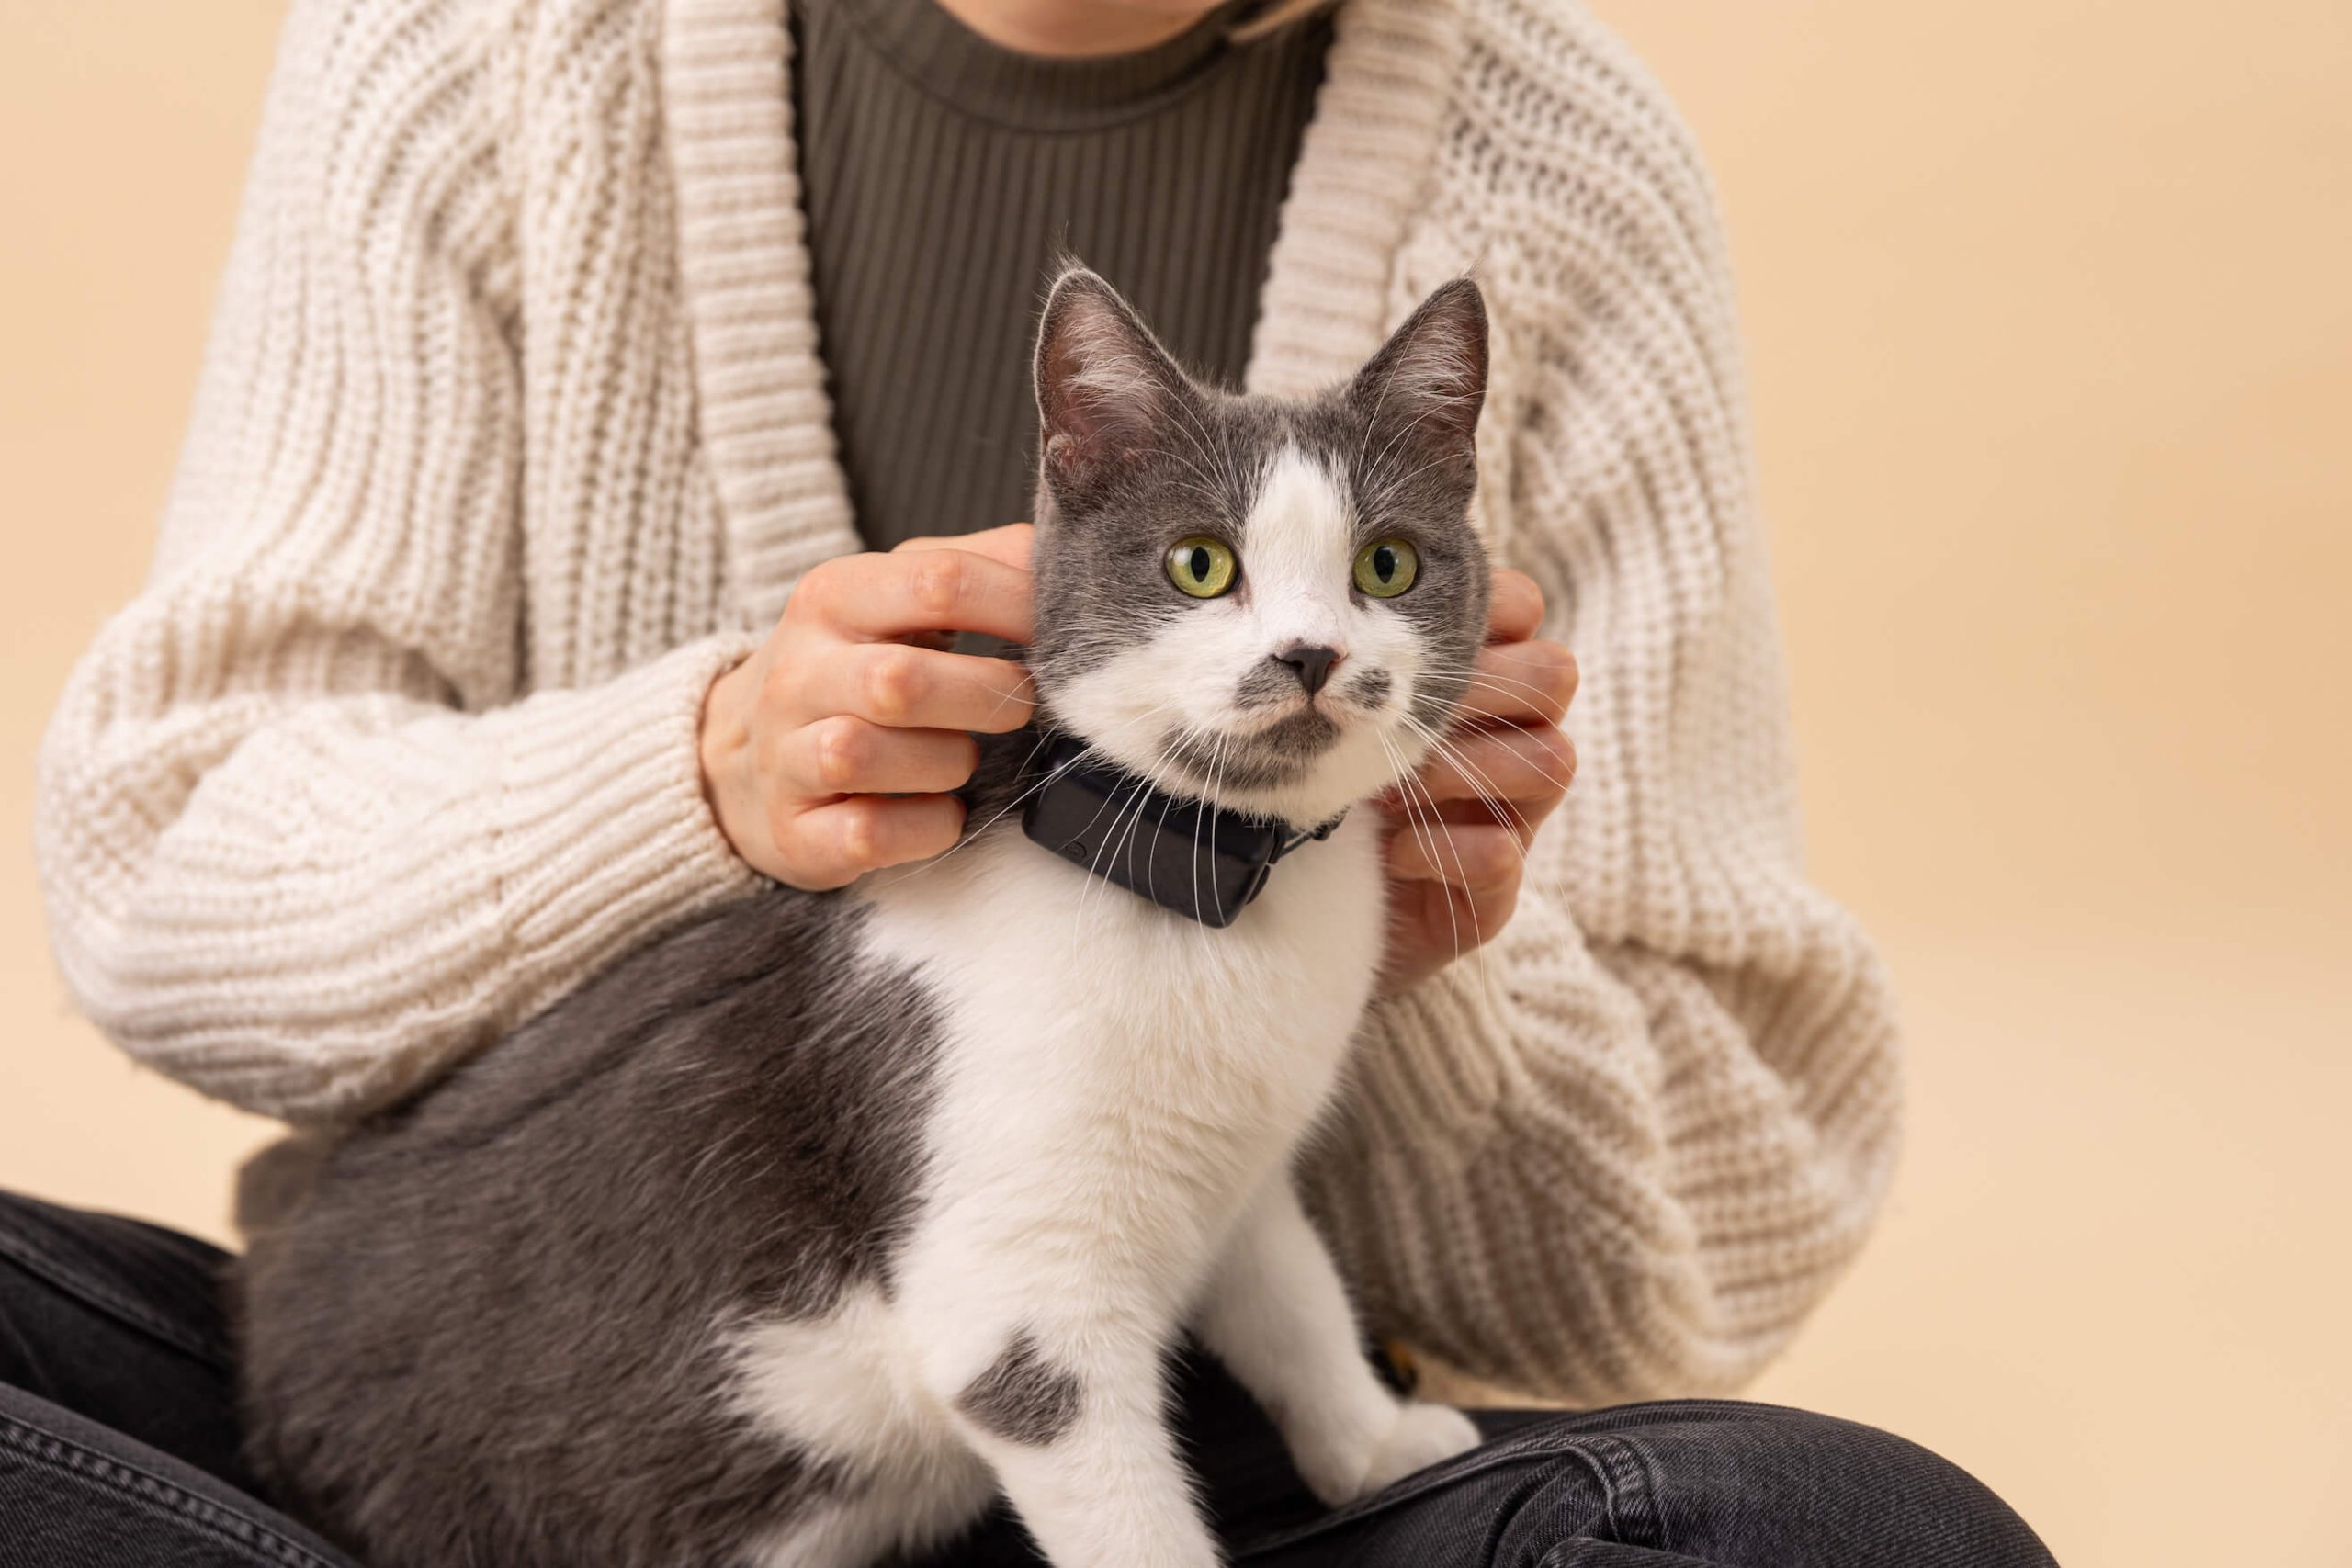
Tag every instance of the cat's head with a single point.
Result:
(1270, 604)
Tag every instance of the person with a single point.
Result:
(611, 409)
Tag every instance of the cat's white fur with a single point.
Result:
(1122, 1094)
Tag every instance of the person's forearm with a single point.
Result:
(362, 887)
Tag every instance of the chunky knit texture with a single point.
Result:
(514, 434)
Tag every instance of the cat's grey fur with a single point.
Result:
(484, 1334)
(488, 1326)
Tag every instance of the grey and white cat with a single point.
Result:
(793, 1237)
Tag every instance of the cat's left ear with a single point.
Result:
(1423, 390)
(1107, 393)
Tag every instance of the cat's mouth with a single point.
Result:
(1266, 758)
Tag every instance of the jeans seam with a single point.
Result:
(143, 1487)
(1598, 1471)
(1628, 1503)
(61, 1274)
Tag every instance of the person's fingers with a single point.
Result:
(1433, 922)
(1475, 856)
(1518, 681)
(1514, 606)
(1528, 766)
(877, 596)
(835, 845)
(1469, 915)
(848, 755)
(917, 688)
(1490, 906)
(1009, 544)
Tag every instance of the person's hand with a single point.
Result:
(831, 752)
(1459, 830)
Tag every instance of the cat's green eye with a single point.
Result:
(1201, 567)
(1385, 567)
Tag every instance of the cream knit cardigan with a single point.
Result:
(514, 434)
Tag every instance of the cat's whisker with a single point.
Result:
(1480, 675)
(1215, 783)
(1454, 908)
(1192, 861)
(1101, 856)
(1113, 849)
(1216, 786)
(1457, 898)
(1004, 696)
(1420, 836)
(1477, 675)
(1188, 732)
(1438, 825)
(1454, 738)
(1449, 748)
(1124, 839)
(1090, 752)
(1477, 928)
(971, 833)
(1167, 804)
(1490, 794)
(1521, 835)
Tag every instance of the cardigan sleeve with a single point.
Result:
(303, 835)
(1621, 1151)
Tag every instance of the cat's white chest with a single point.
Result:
(1036, 961)
(1114, 1070)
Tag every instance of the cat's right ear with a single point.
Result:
(1107, 393)
(1422, 391)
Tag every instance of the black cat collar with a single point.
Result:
(1204, 861)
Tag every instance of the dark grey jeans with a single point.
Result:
(119, 1449)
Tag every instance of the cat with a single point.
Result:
(794, 1236)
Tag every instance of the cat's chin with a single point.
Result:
(1240, 773)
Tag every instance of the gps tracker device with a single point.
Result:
(1204, 861)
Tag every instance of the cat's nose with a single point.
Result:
(1311, 662)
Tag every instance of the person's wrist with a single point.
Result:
(721, 738)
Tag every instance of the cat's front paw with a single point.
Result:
(1424, 1434)
(1414, 1437)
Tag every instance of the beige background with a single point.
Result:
(2053, 360)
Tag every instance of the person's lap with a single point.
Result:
(117, 1445)
(118, 1409)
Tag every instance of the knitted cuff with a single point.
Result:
(458, 873)
(1430, 1057)
(601, 826)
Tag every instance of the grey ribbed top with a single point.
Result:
(942, 176)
